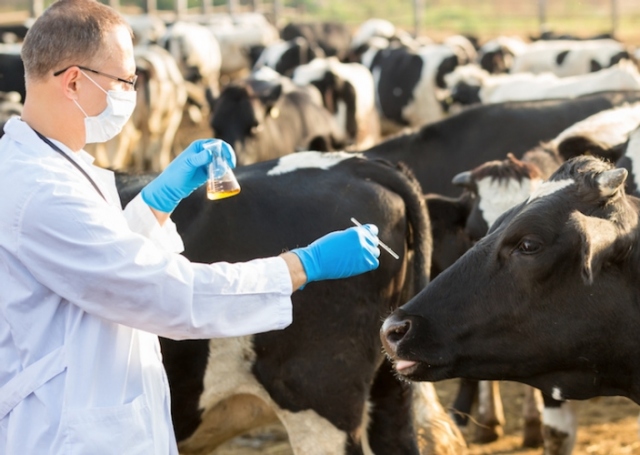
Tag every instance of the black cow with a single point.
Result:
(565, 258)
(324, 376)
(264, 118)
(12, 70)
(437, 152)
(333, 38)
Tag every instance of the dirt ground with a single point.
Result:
(607, 426)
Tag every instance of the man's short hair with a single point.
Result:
(69, 32)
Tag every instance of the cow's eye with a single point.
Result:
(529, 246)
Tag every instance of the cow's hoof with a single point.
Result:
(532, 436)
(487, 434)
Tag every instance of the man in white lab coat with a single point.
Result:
(85, 287)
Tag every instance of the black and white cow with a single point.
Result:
(408, 83)
(348, 92)
(12, 70)
(10, 106)
(495, 187)
(324, 377)
(470, 84)
(566, 258)
(437, 152)
(266, 116)
(569, 58)
(285, 56)
(333, 38)
(496, 56)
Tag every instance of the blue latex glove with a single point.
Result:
(341, 254)
(183, 175)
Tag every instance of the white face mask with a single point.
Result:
(107, 124)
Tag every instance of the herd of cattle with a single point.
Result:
(503, 173)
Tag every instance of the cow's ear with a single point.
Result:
(598, 237)
(611, 182)
(463, 180)
(270, 96)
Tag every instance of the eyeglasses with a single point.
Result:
(131, 82)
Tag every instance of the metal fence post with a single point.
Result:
(150, 6)
(36, 7)
(180, 7)
(542, 15)
(418, 7)
(614, 17)
(233, 6)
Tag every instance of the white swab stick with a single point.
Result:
(382, 245)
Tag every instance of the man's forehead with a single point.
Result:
(119, 48)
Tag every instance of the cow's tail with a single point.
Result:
(404, 183)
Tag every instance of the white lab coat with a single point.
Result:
(83, 286)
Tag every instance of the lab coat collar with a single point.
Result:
(19, 131)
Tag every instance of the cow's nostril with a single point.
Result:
(393, 331)
(397, 331)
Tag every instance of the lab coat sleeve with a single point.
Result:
(141, 220)
(84, 251)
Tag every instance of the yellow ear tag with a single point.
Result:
(275, 112)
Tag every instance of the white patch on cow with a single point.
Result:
(310, 72)
(499, 195)
(372, 28)
(556, 393)
(425, 106)
(267, 74)
(563, 419)
(548, 188)
(272, 54)
(228, 374)
(633, 153)
(470, 74)
(606, 128)
(308, 160)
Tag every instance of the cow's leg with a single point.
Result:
(326, 438)
(532, 411)
(560, 426)
(437, 432)
(229, 418)
(461, 409)
(391, 429)
(490, 412)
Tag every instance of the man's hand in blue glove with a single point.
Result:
(183, 175)
(341, 254)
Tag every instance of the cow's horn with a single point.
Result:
(462, 179)
(610, 181)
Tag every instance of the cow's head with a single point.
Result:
(464, 84)
(549, 297)
(496, 186)
(240, 112)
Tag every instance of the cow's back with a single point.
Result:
(437, 152)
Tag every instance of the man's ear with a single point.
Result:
(69, 82)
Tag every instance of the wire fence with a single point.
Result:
(435, 18)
